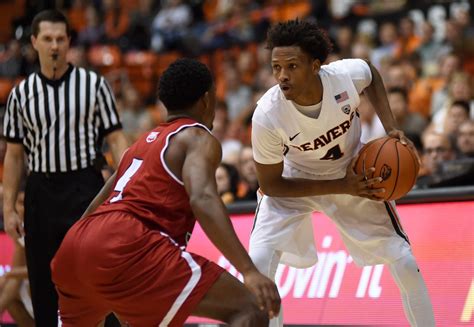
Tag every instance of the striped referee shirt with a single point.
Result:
(60, 122)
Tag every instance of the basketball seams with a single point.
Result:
(378, 153)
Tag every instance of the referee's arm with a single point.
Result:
(13, 171)
(13, 165)
(113, 128)
(118, 144)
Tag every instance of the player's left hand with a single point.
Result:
(265, 292)
(399, 134)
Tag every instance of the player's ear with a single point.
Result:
(207, 99)
(316, 66)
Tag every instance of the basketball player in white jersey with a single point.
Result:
(305, 135)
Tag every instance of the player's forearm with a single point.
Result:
(377, 96)
(12, 173)
(212, 217)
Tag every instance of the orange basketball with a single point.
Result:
(394, 162)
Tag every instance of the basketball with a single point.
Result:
(394, 162)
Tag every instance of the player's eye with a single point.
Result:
(293, 66)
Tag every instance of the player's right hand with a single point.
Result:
(361, 185)
(13, 225)
(265, 291)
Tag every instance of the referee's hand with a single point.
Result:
(13, 225)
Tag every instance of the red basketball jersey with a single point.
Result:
(146, 188)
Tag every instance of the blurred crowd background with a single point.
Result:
(423, 49)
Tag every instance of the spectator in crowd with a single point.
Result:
(441, 167)
(170, 25)
(360, 49)
(396, 76)
(411, 123)
(221, 121)
(465, 139)
(248, 185)
(457, 114)
(408, 42)
(227, 179)
(238, 95)
(139, 30)
(453, 40)
(387, 39)
(30, 64)
(116, 23)
(132, 112)
(430, 48)
(12, 62)
(93, 33)
(459, 90)
(449, 66)
(344, 40)
(437, 147)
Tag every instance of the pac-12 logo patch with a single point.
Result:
(152, 136)
(346, 109)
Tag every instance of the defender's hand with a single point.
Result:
(265, 291)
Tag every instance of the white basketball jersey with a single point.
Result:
(322, 146)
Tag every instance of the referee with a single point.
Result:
(58, 117)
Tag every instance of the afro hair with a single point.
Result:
(306, 35)
(183, 83)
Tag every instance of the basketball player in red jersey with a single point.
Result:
(127, 255)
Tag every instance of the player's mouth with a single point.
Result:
(285, 88)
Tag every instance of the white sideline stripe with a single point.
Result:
(196, 275)
(162, 155)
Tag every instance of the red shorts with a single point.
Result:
(114, 263)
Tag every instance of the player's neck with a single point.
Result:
(312, 95)
(178, 115)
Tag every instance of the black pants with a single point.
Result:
(53, 203)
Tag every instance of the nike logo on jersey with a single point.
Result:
(293, 137)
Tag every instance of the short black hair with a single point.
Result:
(183, 83)
(398, 90)
(304, 34)
(50, 15)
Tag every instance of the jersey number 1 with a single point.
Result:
(122, 182)
(333, 153)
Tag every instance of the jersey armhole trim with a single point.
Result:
(168, 137)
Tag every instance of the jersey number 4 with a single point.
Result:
(333, 153)
(123, 181)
